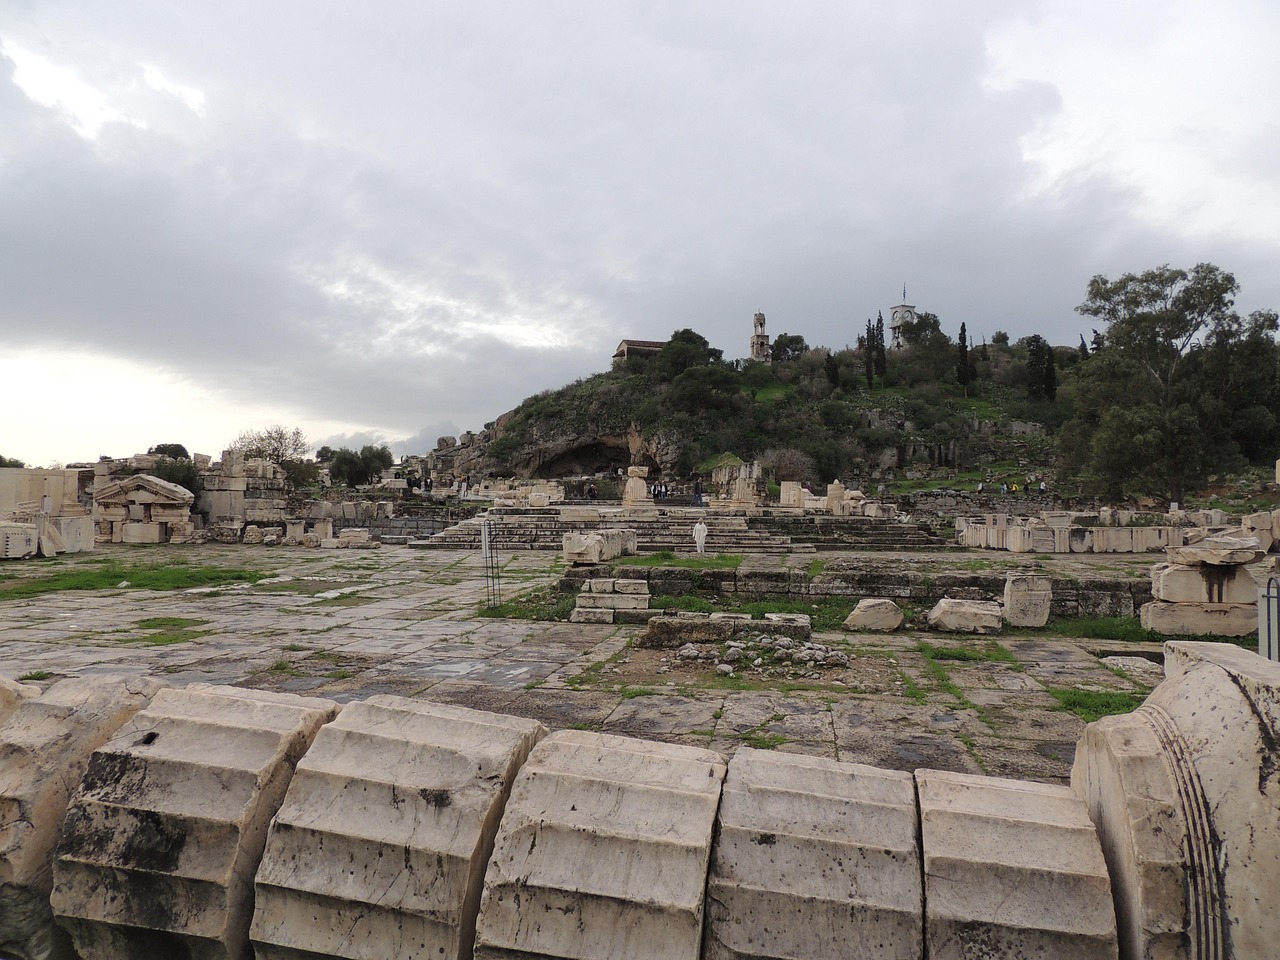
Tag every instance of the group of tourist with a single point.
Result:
(1007, 487)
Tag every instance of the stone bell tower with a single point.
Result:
(759, 340)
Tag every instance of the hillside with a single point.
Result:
(813, 413)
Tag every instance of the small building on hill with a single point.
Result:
(628, 348)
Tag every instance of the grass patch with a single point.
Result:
(1091, 705)
(911, 689)
(167, 637)
(35, 675)
(827, 613)
(109, 576)
(990, 652)
(686, 601)
(340, 674)
(544, 603)
(630, 693)
(164, 623)
(295, 647)
(816, 566)
(763, 741)
(665, 558)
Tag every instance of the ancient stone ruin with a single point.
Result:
(152, 823)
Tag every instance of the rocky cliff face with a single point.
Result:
(550, 449)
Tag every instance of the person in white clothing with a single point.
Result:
(700, 536)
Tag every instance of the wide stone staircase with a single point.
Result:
(851, 533)
(544, 529)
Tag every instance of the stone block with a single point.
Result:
(1012, 869)
(798, 626)
(323, 528)
(166, 831)
(295, 529)
(141, 533)
(632, 586)
(44, 750)
(874, 614)
(813, 858)
(1027, 598)
(1202, 583)
(1200, 619)
(1121, 773)
(406, 795)
(12, 693)
(253, 534)
(591, 548)
(602, 852)
(966, 616)
(612, 601)
(600, 585)
(674, 632)
(1218, 551)
(354, 534)
(792, 494)
(591, 615)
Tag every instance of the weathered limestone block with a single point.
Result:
(1121, 773)
(1205, 851)
(294, 530)
(631, 586)
(1202, 583)
(675, 632)
(612, 601)
(253, 534)
(966, 616)
(406, 796)
(354, 534)
(798, 626)
(874, 614)
(1027, 598)
(1012, 869)
(792, 494)
(1200, 619)
(323, 528)
(595, 547)
(13, 693)
(166, 831)
(44, 749)
(835, 497)
(141, 533)
(539, 499)
(602, 852)
(1218, 550)
(812, 858)
(591, 615)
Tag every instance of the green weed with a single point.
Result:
(1091, 705)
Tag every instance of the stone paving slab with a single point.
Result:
(415, 631)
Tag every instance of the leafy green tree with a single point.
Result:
(882, 360)
(787, 347)
(686, 348)
(1038, 353)
(352, 469)
(179, 470)
(1156, 400)
(963, 374)
(175, 450)
(12, 462)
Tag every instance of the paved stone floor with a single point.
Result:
(348, 624)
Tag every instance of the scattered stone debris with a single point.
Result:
(769, 655)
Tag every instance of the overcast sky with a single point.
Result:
(391, 221)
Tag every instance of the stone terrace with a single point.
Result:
(349, 625)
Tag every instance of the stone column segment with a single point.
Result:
(814, 858)
(1012, 870)
(380, 847)
(603, 852)
(162, 840)
(44, 751)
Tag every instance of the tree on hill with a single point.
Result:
(11, 462)
(686, 348)
(787, 347)
(175, 450)
(179, 470)
(963, 373)
(1156, 402)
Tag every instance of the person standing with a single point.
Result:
(697, 492)
(700, 536)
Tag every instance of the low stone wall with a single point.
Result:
(1075, 597)
(218, 822)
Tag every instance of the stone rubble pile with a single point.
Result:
(152, 823)
(765, 654)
